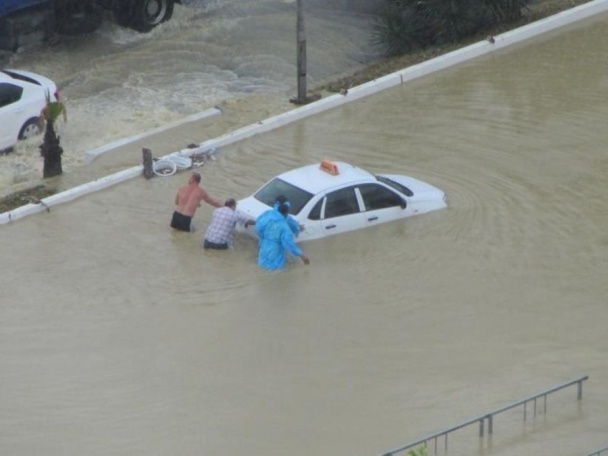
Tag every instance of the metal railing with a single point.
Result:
(599, 452)
(490, 418)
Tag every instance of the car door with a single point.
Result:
(337, 212)
(382, 204)
(9, 115)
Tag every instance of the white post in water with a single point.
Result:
(301, 56)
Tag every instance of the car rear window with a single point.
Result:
(9, 94)
(376, 196)
(400, 188)
(20, 77)
(296, 196)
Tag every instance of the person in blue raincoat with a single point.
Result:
(277, 241)
(273, 214)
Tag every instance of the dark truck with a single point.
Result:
(29, 21)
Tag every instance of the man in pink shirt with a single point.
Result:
(187, 200)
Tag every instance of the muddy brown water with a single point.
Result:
(120, 337)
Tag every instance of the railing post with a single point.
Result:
(481, 427)
(490, 424)
(580, 390)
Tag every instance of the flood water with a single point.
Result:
(121, 337)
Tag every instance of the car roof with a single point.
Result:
(4, 77)
(314, 179)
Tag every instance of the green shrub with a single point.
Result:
(406, 25)
(422, 451)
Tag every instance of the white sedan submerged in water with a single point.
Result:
(334, 197)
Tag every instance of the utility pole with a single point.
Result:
(301, 56)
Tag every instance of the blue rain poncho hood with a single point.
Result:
(273, 215)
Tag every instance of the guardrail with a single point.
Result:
(490, 418)
(599, 452)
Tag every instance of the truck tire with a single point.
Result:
(144, 15)
(78, 18)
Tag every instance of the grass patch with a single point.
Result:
(24, 197)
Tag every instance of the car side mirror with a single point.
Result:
(403, 203)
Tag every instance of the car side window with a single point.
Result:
(379, 197)
(9, 94)
(315, 213)
(341, 202)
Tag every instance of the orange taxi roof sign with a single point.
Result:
(329, 167)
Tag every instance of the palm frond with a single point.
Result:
(53, 110)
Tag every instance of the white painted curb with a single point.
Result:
(71, 194)
(400, 77)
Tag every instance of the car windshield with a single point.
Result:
(296, 196)
(400, 188)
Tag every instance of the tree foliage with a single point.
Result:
(406, 25)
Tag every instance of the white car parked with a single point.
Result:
(334, 197)
(22, 98)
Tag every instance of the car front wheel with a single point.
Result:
(30, 129)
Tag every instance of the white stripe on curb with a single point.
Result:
(400, 77)
(91, 155)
